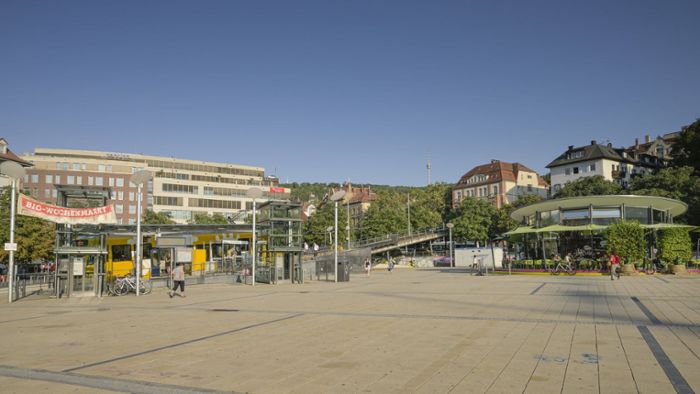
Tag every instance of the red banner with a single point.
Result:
(96, 215)
(276, 190)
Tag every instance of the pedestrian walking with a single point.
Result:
(368, 266)
(178, 276)
(390, 264)
(614, 265)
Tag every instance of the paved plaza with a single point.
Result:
(430, 331)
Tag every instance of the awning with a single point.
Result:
(521, 230)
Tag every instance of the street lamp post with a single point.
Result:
(335, 198)
(15, 172)
(139, 178)
(449, 227)
(254, 193)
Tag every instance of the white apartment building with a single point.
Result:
(179, 187)
(616, 165)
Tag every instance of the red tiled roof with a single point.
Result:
(498, 171)
(13, 157)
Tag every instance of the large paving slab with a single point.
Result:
(427, 331)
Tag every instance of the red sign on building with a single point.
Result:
(96, 215)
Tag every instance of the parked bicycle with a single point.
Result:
(127, 284)
(563, 267)
(653, 266)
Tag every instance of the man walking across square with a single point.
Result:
(178, 276)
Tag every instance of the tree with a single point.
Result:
(430, 206)
(473, 220)
(626, 238)
(675, 246)
(316, 226)
(203, 218)
(686, 151)
(589, 186)
(676, 182)
(35, 238)
(386, 215)
(151, 217)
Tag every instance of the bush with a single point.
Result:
(626, 238)
(675, 246)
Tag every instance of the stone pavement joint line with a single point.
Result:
(662, 279)
(654, 320)
(101, 382)
(677, 380)
(181, 343)
(537, 289)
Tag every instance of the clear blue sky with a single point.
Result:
(335, 90)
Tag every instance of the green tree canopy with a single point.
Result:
(316, 226)
(35, 238)
(386, 215)
(626, 239)
(473, 220)
(589, 186)
(686, 151)
(151, 217)
(674, 182)
(430, 206)
(203, 218)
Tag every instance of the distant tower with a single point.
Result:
(429, 168)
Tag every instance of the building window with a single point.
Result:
(79, 180)
(495, 189)
(58, 179)
(49, 179)
(101, 167)
(47, 193)
(120, 182)
(132, 221)
(76, 166)
(118, 208)
(99, 181)
(591, 167)
(91, 181)
(35, 178)
(120, 196)
(131, 196)
(132, 209)
(567, 171)
(111, 182)
(575, 170)
(70, 180)
(54, 193)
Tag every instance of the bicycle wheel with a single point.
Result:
(146, 286)
(121, 288)
(571, 271)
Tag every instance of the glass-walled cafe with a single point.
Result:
(575, 225)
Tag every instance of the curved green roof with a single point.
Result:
(676, 207)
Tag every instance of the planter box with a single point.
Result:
(679, 269)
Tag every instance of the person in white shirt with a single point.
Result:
(178, 276)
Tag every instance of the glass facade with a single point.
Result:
(598, 215)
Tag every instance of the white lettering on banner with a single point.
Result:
(96, 215)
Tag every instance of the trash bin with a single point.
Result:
(343, 271)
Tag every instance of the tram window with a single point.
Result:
(121, 252)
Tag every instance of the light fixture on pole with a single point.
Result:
(254, 193)
(13, 171)
(449, 227)
(329, 230)
(337, 196)
(139, 178)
